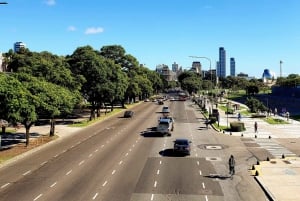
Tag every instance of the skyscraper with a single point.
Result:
(232, 67)
(18, 46)
(221, 71)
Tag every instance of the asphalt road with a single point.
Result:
(123, 159)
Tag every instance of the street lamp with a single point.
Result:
(209, 64)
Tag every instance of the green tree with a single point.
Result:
(51, 100)
(255, 105)
(17, 103)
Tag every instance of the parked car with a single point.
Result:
(128, 114)
(182, 145)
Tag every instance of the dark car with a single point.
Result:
(128, 114)
(182, 146)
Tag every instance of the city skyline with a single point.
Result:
(259, 34)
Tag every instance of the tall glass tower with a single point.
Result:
(221, 71)
(232, 67)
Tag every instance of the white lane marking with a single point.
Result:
(200, 172)
(96, 150)
(113, 172)
(90, 155)
(95, 196)
(155, 184)
(37, 197)
(64, 151)
(72, 146)
(157, 172)
(198, 163)
(3, 186)
(81, 162)
(206, 198)
(104, 183)
(129, 150)
(196, 155)
(53, 184)
(203, 185)
(160, 162)
(152, 196)
(102, 146)
(164, 145)
(78, 142)
(69, 172)
(126, 154)
(120, 162)
(43, 163)
(133, 145)
(26, 173)
(56, 155)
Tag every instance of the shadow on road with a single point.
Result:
(171, 153)
(218, 176)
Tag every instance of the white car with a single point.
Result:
(165, 109)
(165, 126)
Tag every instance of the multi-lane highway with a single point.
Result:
(123, 160)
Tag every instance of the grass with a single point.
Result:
(271, 120)
(102, 117)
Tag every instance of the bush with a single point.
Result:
(237, 126)
(212, 119)
(258, 115)
(229, 111)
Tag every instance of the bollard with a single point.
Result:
(270, 137)
(253, 167)
(256, 173)
(283, 156)
(268, 159)
(242, 135)
(255, 136)
(257, 163)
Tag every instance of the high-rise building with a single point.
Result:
(175, 67)
(18, 46)
(221, 71)
(196, 67)
(232, 67)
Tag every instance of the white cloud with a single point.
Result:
(50, 2)
(94, 30)
(71, 28)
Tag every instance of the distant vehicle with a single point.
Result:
(165, 126)
(169, 118)
(147, 100)
(128, 114)
(172, 99)
(160, 102)
(182, 146)
(165, 109)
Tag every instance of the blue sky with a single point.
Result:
(257, 33)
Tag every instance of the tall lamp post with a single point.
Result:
(199, 57)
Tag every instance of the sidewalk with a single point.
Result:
(280, 176)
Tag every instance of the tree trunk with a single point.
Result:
(92, 116)
(27, 129)
(52, 127)
(3, 130)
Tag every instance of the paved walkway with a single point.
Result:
(280, 176)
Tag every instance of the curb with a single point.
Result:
(269, 195)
